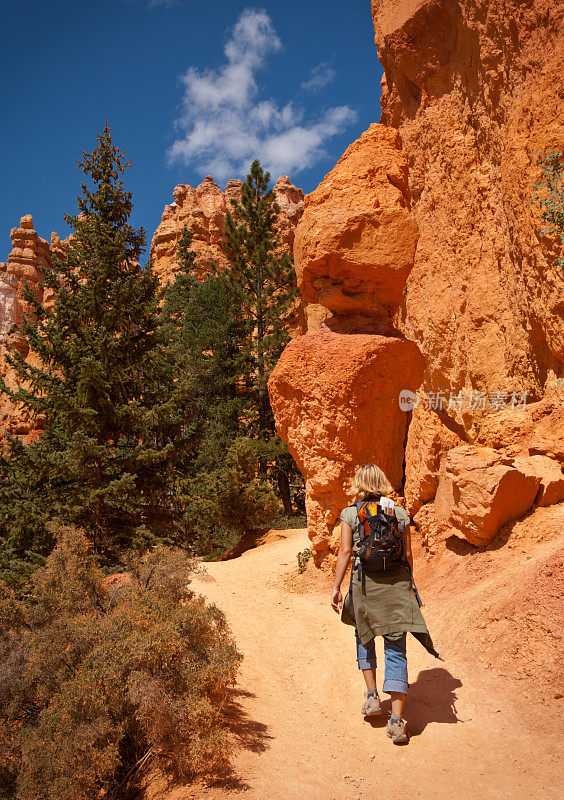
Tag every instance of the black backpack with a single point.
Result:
(380, 546)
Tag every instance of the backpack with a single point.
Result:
(381, 544)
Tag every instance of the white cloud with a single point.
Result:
(320, 76)
(225, 124)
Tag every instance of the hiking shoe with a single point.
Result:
(396, 731)
(371, 704)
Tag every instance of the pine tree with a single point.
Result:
(264, 283)
(103, 381)
(221, 494)
(207, 340)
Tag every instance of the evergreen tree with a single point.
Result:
(221, 494)
(264, 283)
(207, 340)
(102, 380)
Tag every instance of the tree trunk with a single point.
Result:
(284, 486)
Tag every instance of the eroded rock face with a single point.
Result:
(474, 88)
(535, 429)
(355, 244)
(480, 489)
(335, 399)
(335, 391)
(428, 439)
(28, 251)
(202, 210)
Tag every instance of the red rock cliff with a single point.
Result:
(335, 391)
(475, 89)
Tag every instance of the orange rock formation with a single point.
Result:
(335, 399)
(473, 88)
(335, 392)
(28, 250)
(203, 211)
(356, 242)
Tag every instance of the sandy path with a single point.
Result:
(296, 708)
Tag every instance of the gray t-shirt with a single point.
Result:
(350, 516)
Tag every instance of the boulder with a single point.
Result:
(355, 242)
(428, 439)
(335, 400)
(480, 489)
(551, 476)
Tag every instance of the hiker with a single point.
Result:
(382, 599)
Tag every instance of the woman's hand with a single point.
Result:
(336, 600)
(341, 566)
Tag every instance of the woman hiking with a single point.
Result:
(381, 600)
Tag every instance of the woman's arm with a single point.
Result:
(407, 546)
(343, 559)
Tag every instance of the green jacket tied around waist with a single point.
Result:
(383, 602)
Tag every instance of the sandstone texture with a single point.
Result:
(202, 210)
(536, 429)
(480, 489)
(28, 251)
(428, 439)
(474, 88)
(335, 399)
(355, 244)
(335, 391)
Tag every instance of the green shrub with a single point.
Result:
(98, 685)
(227, 502)
(303, 557)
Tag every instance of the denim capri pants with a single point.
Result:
(395, 661)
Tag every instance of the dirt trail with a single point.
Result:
(295, 711)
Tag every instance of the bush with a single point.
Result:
(303, 557)
(225, 503)
(98, 686)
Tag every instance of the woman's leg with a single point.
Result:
(366, 658)
(395, 678)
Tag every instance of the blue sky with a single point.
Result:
(190, 88)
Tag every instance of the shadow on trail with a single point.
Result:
(247, 734)
(431, 698)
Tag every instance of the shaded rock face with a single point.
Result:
(203, 211)
(335, 399)
(28, 250)
(474, 88)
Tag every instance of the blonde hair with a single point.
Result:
(369, 479)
